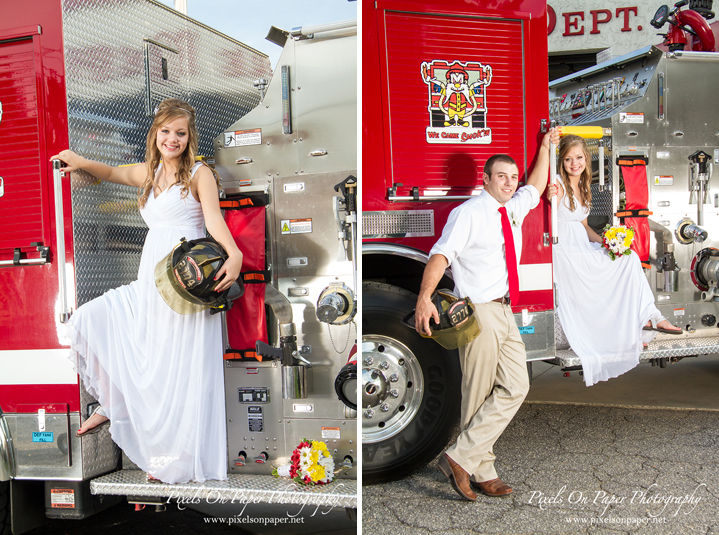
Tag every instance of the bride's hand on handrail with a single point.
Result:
(551, 191)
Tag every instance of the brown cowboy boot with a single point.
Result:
(493, 487)
(458, 477)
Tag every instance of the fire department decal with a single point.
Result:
(457, 102)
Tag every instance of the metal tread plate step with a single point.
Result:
(240, 488)
(665, 347)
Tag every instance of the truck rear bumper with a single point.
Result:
(658, 349)
(239, 489)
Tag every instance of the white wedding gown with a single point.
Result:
(157, 374)
(602, 303)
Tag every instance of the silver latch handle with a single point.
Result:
(243, 160)
(318, 153)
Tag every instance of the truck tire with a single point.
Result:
(4, 508)
(410, 394)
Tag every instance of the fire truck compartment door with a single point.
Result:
(22, 218)
(454, 87)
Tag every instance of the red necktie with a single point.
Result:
(510, 256)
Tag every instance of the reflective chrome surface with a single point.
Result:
(7, 457)
(392, 387)
(114, 56)
(668, 116)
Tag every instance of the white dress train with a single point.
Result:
(158, 374)
(602, 303)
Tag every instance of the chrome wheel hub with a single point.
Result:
(392, 387)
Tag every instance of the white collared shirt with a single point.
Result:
(473, 243)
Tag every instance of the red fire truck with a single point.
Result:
(445, 87)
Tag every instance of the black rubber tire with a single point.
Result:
(428, 433)
(4, 508)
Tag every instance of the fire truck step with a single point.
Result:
(660, 348)
(241, 488)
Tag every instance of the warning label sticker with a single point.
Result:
(62, 498)
(636, 118)
(330, 432)
(663, 180)
(678, 311)
(296, 226)
(241, 138)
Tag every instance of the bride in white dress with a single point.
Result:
(604, 305)
(157, 374)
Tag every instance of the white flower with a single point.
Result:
(328, 463)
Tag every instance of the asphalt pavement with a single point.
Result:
(637, 454)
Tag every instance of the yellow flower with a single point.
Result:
(627, 242)
(318, 445)
(316, 473)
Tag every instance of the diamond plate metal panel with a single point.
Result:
(239, 489)
(114, 54)
(99, 454)
(559, 336)
(398, 224)
(602, 201)
(659, 349)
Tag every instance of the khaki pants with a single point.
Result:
(494, 384)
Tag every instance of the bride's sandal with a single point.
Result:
(100, 412)
(653, 327)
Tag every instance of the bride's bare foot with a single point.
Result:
(664, 324)
(91, 423)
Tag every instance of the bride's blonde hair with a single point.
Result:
(167, 111)
(567, 143)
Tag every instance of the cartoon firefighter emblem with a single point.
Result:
(457, 101)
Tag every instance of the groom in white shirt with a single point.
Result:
(494, 371)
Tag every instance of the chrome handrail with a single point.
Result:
(60, 239)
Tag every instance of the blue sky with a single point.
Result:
(249, 22)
